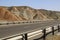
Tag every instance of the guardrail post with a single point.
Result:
(44, 34)
(52, 30)
(58, 28)
(24, 36)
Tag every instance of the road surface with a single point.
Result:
(10, 30)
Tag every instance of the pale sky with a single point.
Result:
(37, 4)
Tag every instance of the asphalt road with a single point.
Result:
(10, 30)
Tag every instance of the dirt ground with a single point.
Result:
(55, 37)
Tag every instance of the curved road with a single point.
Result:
(10, 30)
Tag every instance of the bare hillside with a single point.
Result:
(21, 13)
(7, 15)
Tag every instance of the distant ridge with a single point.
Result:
(21, 13)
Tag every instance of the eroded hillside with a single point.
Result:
(21, 13)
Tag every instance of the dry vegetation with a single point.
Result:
(55, 37)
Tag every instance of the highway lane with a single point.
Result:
(16, 29)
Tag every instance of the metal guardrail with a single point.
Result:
(20, 22)
(45, 32)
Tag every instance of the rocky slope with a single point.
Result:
(21, 13)
(7, 15)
